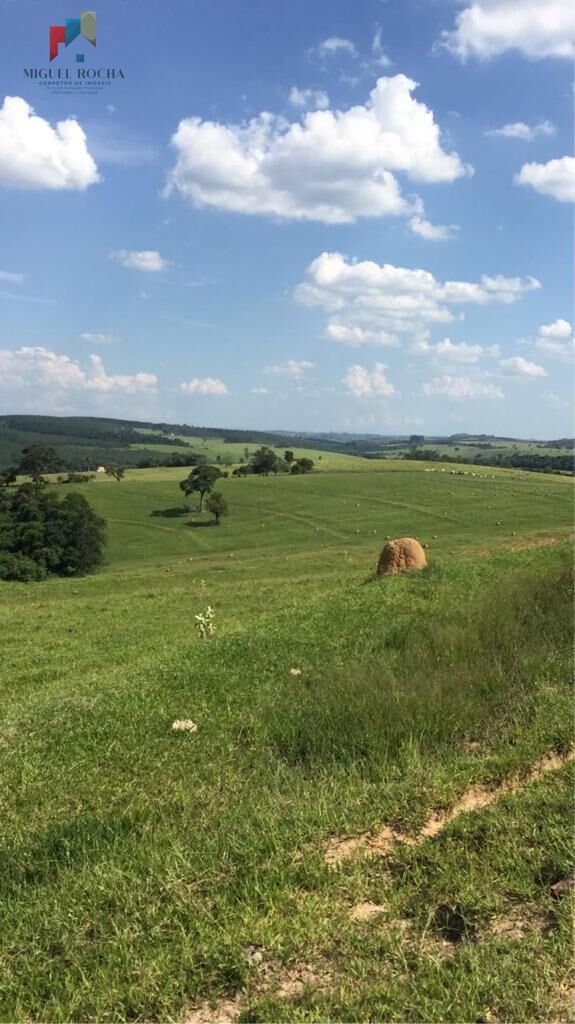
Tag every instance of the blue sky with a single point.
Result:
(315, 215)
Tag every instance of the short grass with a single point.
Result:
(141, 866)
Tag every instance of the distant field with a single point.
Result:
(469, 451)
(152, 875)
(236, 452)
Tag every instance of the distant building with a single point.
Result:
(101, 469)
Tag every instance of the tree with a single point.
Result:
(217, 505)
(118, 472)
(416, 439)
(37, 459)
(264, 461)
(200, 481)
(8, 476)
(289, 456)
(302, 466)
(41, 534)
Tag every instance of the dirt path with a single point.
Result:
(341, 848)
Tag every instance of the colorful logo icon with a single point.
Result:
(85, 26)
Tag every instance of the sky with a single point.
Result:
(317, 215)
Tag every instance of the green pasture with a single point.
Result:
(147, 872)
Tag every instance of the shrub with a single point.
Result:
(62, 537)
(20, 568)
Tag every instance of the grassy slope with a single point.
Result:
(138, 865)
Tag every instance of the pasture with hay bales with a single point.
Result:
(345, 798)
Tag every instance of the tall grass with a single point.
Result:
(448, 677)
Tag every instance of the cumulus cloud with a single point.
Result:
(358, 335)
(204, 386)
(558, 329)
(555, 178)
(259, 391)
(556, 339)
(335, 44)
(364, 383)
(460, 388)
(98, 339)
(517, 366)
(537, 28)
(148, 260)
(451, 351)
(317, 99)
(34, 155)
(391, 299)
(292, 368)
(520, 130)
(332, 166)
(41, 367)
(432, 232)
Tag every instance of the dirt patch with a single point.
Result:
(341, 848)
(401, 555)
(520, 922)
(365, 911)
(268, 978)
(224, 1012)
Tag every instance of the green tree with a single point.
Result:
(264, 461)
(302, 466)
(37, 459)
(217, 505)
(200, 481)
(42, 534)
(118, 472)
(289, 456)
(416, 439)
(8, 476)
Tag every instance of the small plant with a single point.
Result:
(205, 623)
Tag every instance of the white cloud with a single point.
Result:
(380, 58)
(520, 130)
(292, 368)
(148, 260)
(332, 166)
(358, 335)
(204, 386)
(558, 329)
(335, 44)
(537, 28)
(517, 366)
(10, 277)
(391, 299)
(364, 383)
(35, 155)
(556, 178)
(37, 366)
(451, 351)
(556, 339)
(259, 391)
(432, 232)
(98, 339)
(317, 99)
(460, 388)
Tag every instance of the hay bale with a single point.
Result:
(401, 555)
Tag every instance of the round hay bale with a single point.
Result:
(401, 555)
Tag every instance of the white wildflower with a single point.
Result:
(184, 725)
(205, 623)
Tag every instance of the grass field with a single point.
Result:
(156, 875)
